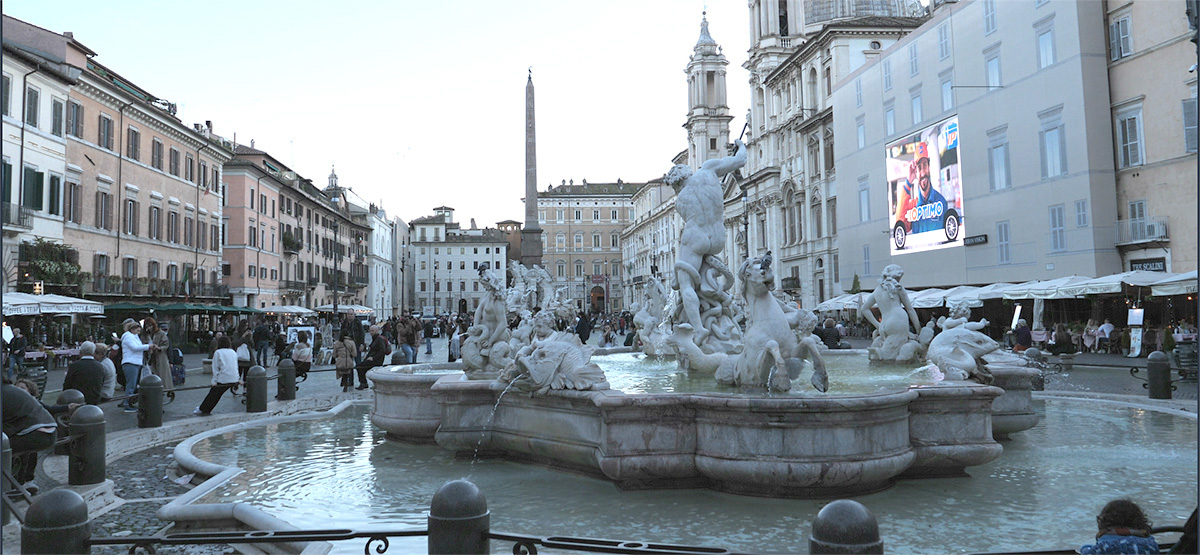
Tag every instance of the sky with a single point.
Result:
(421, 104)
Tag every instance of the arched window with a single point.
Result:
(798, 217)
(789, 230)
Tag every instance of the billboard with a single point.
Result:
(925, 206)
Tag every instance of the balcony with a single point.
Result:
(790, 283)
(1145, 230)
(313, 281)
(361, 280)
(291, 285)
(16, 215)
(291, 244)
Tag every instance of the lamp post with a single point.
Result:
(745, 227)
(337, 266)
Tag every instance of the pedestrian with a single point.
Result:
(344, 353)
(86, 375)
(16, 354)
(244, 348)
(1024, 337)
(262, 340)
(158, 354)
(30, 428)
(376, 356)
(133, 353)
(225, 366)
(1124, 528)
(609, 339)
(360, 337)
(109, 388)
(302, 354)
(406, 337)
(584, 328)
(428, 334)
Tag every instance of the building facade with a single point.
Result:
(40, 67)
(648, 242)
(1004, 107)
(1154, 133)
(254, 246)
(447, 260)
(787, 198)
(142, 194)
(581, 233)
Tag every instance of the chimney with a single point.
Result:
(208, 124)
(251, 143)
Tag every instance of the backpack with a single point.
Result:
(175, 356)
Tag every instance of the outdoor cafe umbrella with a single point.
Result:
(1181, 284)
(62, 304)
(927, 298)
(1115, 284)
(1039, 291)
(21, 304)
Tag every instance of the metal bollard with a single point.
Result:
(87, 447)
(845, 526)
(6, 463)
(150, 402)
(67, 397)
(56, 522)
(459, 520)
(285, 390)
(256, 389)
(1158, 375)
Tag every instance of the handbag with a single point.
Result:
(243, 352)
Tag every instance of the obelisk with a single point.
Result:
(531, 233)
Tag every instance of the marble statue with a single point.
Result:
(773, 353)
(539, 283)
(894, 339)
(959, 349)
(519, 294)
(648, 319)
(556, 361)
(486, 350)
(702, 279)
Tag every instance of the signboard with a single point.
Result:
(292, 332)
(1149, 264)
(975, 240)
(924, 189)
(427, 311)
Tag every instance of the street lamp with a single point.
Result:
(745, 226)
(337, 265)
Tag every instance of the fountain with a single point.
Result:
(750, 432)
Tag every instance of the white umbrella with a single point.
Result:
(1049, 289)
(69, 305)
(1114, 283)
(967, 293)
(1182, 284)
(21, 304)
(833, 304)
(927, 298)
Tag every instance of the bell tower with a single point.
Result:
(708, 111)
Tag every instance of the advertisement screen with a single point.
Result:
(925, 204)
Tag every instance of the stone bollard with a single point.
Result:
(285, 390)
(1068, 361)
(6, 463)
(56, 522)
(845, 526)
(206, 366)
(87, 447)
(67, 397)
(1158, 375)
(1035, 355)
(398, 358)
(459, 520)
(256, 389)
(150, 402)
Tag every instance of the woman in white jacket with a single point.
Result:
(225, 376)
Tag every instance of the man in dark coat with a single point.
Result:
(584, 328)
(376, 355)
(86, 374)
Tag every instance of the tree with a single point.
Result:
(856, 286)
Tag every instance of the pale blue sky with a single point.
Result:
(421, 104)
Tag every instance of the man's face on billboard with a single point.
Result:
(923, 175)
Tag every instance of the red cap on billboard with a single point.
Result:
(922, 151)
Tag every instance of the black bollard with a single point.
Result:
(256, 389)
(285, 390)
(845, 526)
(56, 522)
(150, 402)
(459, 520)
(398, 358)
(6, 463)
(66, 397)
(1158, 375)
(87, 447)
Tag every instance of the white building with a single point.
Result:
(648, 243)
(447, 260)
(36, 86)
(1009, 101)
(377, 254)
(787, 203)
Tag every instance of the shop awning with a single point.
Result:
(1115, 284)
(16, 304)
(1049, 289)
(21, 304)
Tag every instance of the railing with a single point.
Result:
(1141, 230)
(790, 282)
(17, 215)
(312, 281)
(361, 280)
(291, 285)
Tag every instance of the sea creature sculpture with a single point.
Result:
(558, 362)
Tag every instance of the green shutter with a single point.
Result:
(32, 185)
(7, 190)
(55, 187)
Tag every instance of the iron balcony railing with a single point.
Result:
(1141, 230)
(17, 215)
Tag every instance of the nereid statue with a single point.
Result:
(486, 350)
(894, 339)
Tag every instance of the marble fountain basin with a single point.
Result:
(800, 445)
